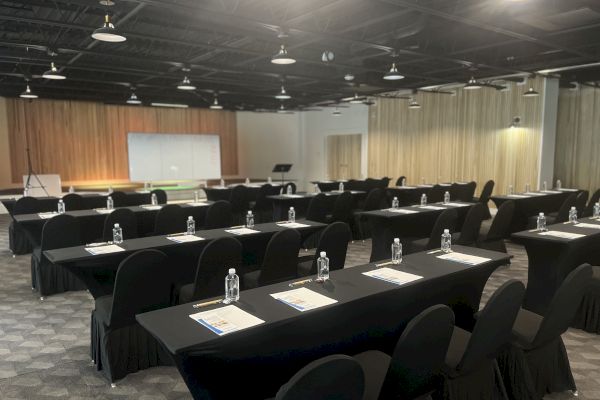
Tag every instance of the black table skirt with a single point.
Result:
(370, 314)
(300, 201)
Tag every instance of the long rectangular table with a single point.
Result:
(417, 223)
(369, 314)
(90, 268)
(300, 201)
(224, 192)
(552, 258)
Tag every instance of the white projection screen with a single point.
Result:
(171, 157)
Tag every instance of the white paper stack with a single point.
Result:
(562, 235)
(402, 211)
(199, 204)
(463, 258)
(104, 210)
(151, 207)
(551, 191)
(241, 231)
(47, 215)
(392, 275)
(518, 196)
(432, 208)
(292, 224)
(456, 204)
(303, 299)
(111, 248)
(590, 226)
(184, 238)
(292, 196)
(226, 319)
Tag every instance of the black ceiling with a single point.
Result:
(228, 45)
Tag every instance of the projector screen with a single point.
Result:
(167, 157)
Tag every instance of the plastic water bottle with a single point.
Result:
(191, 226)
(196, 196)
(25, 191)
(446, 241)
(573, 215)
(222, 183)
(596, 211)
(527, 188)
(544, 186)
(317, 190)
(341, 187)
(232, 287)
(289, 190)
(291, 215)
(403, 182)
(117, 234)
(511, 191)
(396, 251)
(541, 222)
(154, 199)
(71, 189)
(61, 207)
(247, 181)
(322, 267)
(558, 184)
(446, 197)
(249, 220)
(110, 189)
(269, 180)
(110, 204)
(395, 203)
(423, 199)
(281, 191)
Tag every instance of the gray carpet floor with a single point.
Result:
(44, 346)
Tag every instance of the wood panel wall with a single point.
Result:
(459, 138)
(576, 159)
(344, 156)
(87, 141)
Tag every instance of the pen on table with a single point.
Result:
(237, 227)
(433, 252)
(208, 303)
(96, 244)
(177, 234)
(384, 264)
(302, 282)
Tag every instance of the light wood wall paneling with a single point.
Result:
(459, 137)
(344, 156)
(88, 141)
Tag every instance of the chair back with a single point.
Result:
(170, 219)
(342, 208)
(446, 220)
(61, 231)
(218, 215)
(493, 328)
(581, 201)
(500, 227)
(262, 203)
(289, 184)
(486, 192)
(239, 199)
(161, 195)
(126, 220)
(589, 211)
(468, 191)
(472, 225)
(143, 284)
(384, 182)
(317, 208)
(336, 377)
(73, 202)
(563, 212)
(374, 199)
(334, 241)
(564, 304)
(399, 180)
(419, 354)
(213, 266)
(436, 194)
(352, 184)
(119, 199)
(281, 257)
(26, 205)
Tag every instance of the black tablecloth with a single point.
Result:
(370, 314)
(526, 207)
(387, 225)
(551, 259)
(215, 193)
(182, 256)
(300, 201)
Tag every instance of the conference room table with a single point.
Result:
(368, 313)
(407, 223)
(408, 195)
(300, 201)
(183, 257)
(532, 203)
(216, 193)
(554, 254)
(92, 220)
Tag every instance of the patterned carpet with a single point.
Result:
(44, 346)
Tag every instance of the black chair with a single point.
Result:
(352, 184)
(436, 194)
(19, 241)
(170, 219)
(119, 344)
(213, 265)
(374, 201)
(328, 186)
(589, 211)
(446, 220)
(240, 203)
(342, 208)
(471, 370)
(588, 315)
(289, 184)
(485, 195)
(499, 230)
(119, 199)
(468, 192)
(580, 202)
(470, 230)
(280, 262)
(48, 278)
(317, 208)
(414, 368)
(400, 180)
(384, 182)
(73, 202)
(161, 195)
(537, 362)
(218, 215)
(336, 377)
(126, 220)
(334, 241)
(262, 207)
(563, 212)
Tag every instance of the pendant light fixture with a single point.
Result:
(413, 104)
(28, 94)
(282, 57)
(283, 95)
(472, 84)
(53, 73)
(393, 74)
(336, 112)
(531, 93)
(215, 105)
(108, 33)
(133, 99)
(186, 84)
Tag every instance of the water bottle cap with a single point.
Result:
(598, 204)
(116, 225)
(190, 218)
(323, 254)
(447, 192)
(396, 240)
(446, 230)
(573, 208)
(249, 212)
(395, 198)
(541, 214)
(231, 271)
(291, 208)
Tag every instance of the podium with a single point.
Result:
(282, 169)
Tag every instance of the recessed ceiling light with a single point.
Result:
(393, 74)
(53, 73)
(186, 84)
(215, 105)
(531, 93)
(28, 94)
(282, 95)
(282, 57)
(472, 84)
(172, 105)
(413, 104)
(133, 99)
(108, 32)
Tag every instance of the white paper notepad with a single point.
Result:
(292, 225)
(226, 319)
(151, 207)
(199, 204)
(463, 258)
(432, 208)
(184, 238)
(402, 211)
(551, 191)
(111, 248)
(104, 210)
(241, 231)
(303, 299)
(456, 204)
(590, 226)
(518, 196)
(292, 196)
(562, 235)
(47, 215)
(569, 190)
(392, 275)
